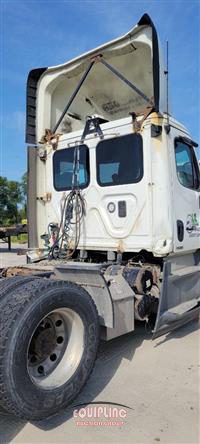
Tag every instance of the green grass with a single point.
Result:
(21, 239)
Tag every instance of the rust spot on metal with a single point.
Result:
(137, 125)
(16, 271)
(28, 271)
(156, 118)
(51, 139)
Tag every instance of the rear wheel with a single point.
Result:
(48, 342)
(11, 283)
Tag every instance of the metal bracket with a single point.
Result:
(93, 126)
(50, 138)
(138, 124)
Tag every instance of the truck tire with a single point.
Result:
(49, 335)
(9, 283)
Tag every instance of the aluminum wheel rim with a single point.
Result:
(55, 348)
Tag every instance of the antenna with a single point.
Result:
(166, 72)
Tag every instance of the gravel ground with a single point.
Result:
(12, 258)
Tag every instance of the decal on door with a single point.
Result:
(193, 225)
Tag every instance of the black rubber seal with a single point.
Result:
(31, 91)
(146, 20)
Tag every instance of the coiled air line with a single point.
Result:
(73, 208)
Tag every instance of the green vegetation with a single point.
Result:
(21, 239)
(12, 200)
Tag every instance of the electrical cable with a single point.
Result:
(73, 208)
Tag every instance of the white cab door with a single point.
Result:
(186, 194)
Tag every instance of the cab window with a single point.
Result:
(63, 166)
(120, 160)
(186, 165)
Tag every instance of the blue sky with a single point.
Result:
(45, 33)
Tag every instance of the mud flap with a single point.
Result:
(179, 300)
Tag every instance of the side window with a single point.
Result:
(186, 165)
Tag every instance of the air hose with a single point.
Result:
(72, 212)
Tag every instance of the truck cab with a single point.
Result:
(141, 188)
(138, 171)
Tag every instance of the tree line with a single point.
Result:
(13, 198)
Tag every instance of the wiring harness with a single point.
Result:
(72, 212)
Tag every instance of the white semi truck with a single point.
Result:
(113, 219)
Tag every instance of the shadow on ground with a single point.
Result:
(180, 332)
(17, 249)
(108, 360)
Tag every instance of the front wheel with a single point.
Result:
(49, 336)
